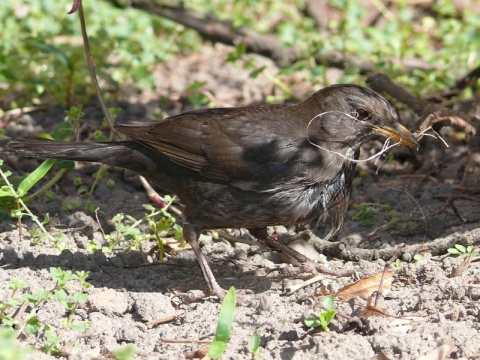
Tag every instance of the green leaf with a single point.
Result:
(12, 302)
(224, 325)
(63, 131)
(65, 164)
(312, 322)
(48, 48)
(148, 207)
(4, 137)
(7, 321)
(61, 295)
(254, 343)
(91, 246)
(329, 302)
(16, 284)
(80, 298)
(461, 248)
(227, 314)
(11, 348)
(35, 176)
(325, 318)
(329, 315)
(39, 296)
(453, 251)
(237, 53)
(125, 353)
(55, 273)
(216, 349)
(257, 72)
(287, 33)
(417, 257)
(7, 191)
(8, 334)
(78, 326)
(33, 326)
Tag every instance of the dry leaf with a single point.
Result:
(371, 310)
(380, 356)
(453, 120)
(201, 353)
(365, 287)
(404, 325)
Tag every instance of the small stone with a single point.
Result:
(152, 306)
(109, 302)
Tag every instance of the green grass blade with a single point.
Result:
(227, 314)
(35, 176)
(254, 344)
(224, 325)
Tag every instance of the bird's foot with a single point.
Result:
(309, 266)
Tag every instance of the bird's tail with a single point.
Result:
(81, 151)
(125, 154)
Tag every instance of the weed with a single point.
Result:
(13, 198)
(224, 325)
(364, 212)
(254, 345)
(130, 233)
(459, 249)
(325, 316)
(397, 264)
(68, 291)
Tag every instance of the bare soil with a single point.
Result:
(430, 201)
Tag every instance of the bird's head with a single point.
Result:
(350, 115)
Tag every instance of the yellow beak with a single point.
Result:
(399, 134)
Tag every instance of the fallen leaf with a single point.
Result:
(365, 287)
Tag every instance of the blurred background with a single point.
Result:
(178, 50)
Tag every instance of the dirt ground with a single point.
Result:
(429, 201)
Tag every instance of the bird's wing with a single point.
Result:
(251, 144)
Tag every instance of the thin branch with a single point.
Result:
(382, 84)
(91, 68)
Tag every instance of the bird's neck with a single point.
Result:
(308, 110)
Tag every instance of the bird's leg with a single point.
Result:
(306, 264)
(190, 234)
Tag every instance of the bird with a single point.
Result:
(248, 167)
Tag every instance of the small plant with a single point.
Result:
(397, 264)
(196, 94)
(418, 257)
(125, 353)
(459, 249)
(13, 197)
(254, 345)
(326, 315)
(130, 233)
(11, 348)
(64, 292)
(224, 325)
(364, 212)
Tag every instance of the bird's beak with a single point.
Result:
(399, 134)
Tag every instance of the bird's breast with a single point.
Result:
(309, 202)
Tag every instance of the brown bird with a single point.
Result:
(248, 167)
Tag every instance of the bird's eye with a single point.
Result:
(361, 114)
